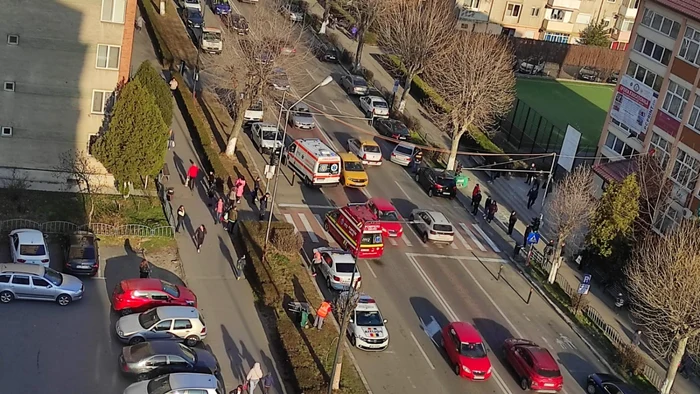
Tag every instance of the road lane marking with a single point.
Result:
(462, 240)
(320, 221)
(402, 190)
(487, 239)
(336, 106)
(427, 360)
(366, 193)
(309, 229)
(452, 245)
(371, 271)
(311, 75)
(473, 237)
(405, 240)
(283, 205)
(393, 241)
(290, 220)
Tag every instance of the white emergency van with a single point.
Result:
(367, 327)
(314, 162)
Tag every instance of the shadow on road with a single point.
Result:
(427, 313)
(234, 355)
(575, 365)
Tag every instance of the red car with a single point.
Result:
(466, 351)
(535, 366)
(136, 295)
(388, 216)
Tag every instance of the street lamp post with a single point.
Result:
(323, 83)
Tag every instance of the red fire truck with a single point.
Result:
(356, 229)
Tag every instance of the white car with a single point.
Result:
(176, 383)
(29, 246)
(183, 321)
(432, 226)
(367, 150)
(367, 327)
(293, 12)
(194, 4)
(339, 268)
(404, 153)
(374, 106)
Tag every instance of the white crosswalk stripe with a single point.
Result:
(453, 246)
(393, 241)
(439, 246)
(320, 222)
(462, 240)
(486, 238)
(405, 240)
(308, 228)
(473, 237)
(290, 220)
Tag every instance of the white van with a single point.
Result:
(314, 161)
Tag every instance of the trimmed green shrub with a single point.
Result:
(152, 81)
(629, 359)
(286, 240)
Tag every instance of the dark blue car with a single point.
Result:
(602, 383)
(193, 17)
(221, 7)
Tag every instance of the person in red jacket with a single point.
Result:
(192, 173)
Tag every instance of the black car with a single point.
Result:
(588, 74)
(437, 182)
(193, 17)
(152, 359)
(82, 254)
(237, 23)
(329, 55)
(392, 128)
(602, 383)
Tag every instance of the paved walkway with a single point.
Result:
(235, 333)
(510, 194)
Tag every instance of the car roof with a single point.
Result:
(466, 332)
(339, 255)
(142, 284)
(376, 98)
(165, 347)
(29, 236)
(382, 204)
(357, 78)
(438, 217)
(350, 157)
(406, 145)
(301, 106)
(608, 378)
(541, 356)
(265, 126)
(189, 380)
(19, 268)
(82, 238)
(174, 312)
(443, 173)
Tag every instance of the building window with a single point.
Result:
(6, 131)
(557, 15)
(685, 170)
(694, 120)
(675, 100)
(652, 50)
(668, 219)
(12, 39)
(618, 145)
(690, 45)
(513, 10)
(99, 101)
(9, 86)
(535, 11)
(645, 76)
(557, 37)
(662, 149)
(627, 25)
(108, 56)
(660, 23)
(632, 4)
(471, 4)
(113, 11)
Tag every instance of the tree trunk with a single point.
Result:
(237, 127)
(406, 90)
(673, 367)
(91, 212)
(556, 262)
(454, 148)
(358, 52)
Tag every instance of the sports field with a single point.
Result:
(582, 105)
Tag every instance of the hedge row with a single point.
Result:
(280, 280)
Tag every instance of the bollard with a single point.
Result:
(499, 272)
(529, 295)
(294, 174)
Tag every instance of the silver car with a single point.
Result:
(432, 226)
(175, 383)
(184, 321)
(279, 79)
(36, 282)
(354, 84)
(301, 117)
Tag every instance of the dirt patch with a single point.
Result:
(161, 252)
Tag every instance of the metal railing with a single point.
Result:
(62, 227)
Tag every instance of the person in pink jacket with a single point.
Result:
(219, 211)
(240, 187)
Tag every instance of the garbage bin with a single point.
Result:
(461, 181)
(304, 321)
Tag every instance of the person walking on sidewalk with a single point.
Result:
(180, 216)
(531, 175)
(253, 377)
(267, 383)
(240, 265)
(476, 200)
(232, 219)
(321, 314)
(144, 269)
(240, 188)
(211, 188)
(173, 84)
(256, 188)
(219, 211)
(493, 208)
(171, 139)
(487, 204)
(192, 173)
(477, 190)
(232, 196)
(511, 222)
(139, 23)
(263, 205)
(532, 197)
(198, 237)
(528, 230)
(637, 339)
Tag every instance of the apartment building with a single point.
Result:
(61, 61)
(656, 106)
(550, 20)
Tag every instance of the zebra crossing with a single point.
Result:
(468, 236)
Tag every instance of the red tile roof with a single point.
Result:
(615, 171)
(689, 8)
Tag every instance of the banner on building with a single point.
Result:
(633, 104)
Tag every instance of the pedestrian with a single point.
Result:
(477, 190)
(511, 222)
(315, 262)
(683, 365)
(267, 382)
(144, 269)
(171, 139)
(493, 208)
(528, 230)
(219, 211)
(240, 188)
(198, 237)
(180, 216)
(232, 218)
(211, 187)
(536, 182)
(531, 175)
(139, 23)
(637, 340)
(532, 197)
(232, 196)
(253, 377)
(476, 200)
(487, 204)
(238, 390)
(263, 205)
(256, 188)
(240, 265)
(173, 84)
(353, 32)
(549, 250)
(321, 314)
(192, 173)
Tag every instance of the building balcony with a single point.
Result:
(627, 13)
(557, 26)
(619, 35)
(565, 4)
(472, 15)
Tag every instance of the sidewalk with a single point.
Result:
(510, 195)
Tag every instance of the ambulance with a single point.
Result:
(314, 162)
(367, 327)
(356, 229)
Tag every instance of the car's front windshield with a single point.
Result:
(302, 114)
(272, 134)
(472, 350)
(368, 318)
(149, 318)
(170, 289)
(211, 37)
(353, 166)
(388, 216)
(159, 385)
(379, 104)
(55, 277)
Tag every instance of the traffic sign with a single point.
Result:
(533, 238)
(585, 286)
(396, 85)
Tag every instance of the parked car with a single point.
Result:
(29, 246)
(221, 7)
(194, 4)
(237, 23)
(533, 365)
(352, 172)
(279, 79)
(432, 226)
(293, 12)
(148, 360)
(36, 282)
(82, 254)
(404, 153)
(374, 106)
(437, 182)
(354, 84)
(337, 267)
(392, 128)
(613, 78)
(329, 54)
(602, 383)
(588, 74)
(141, 294)
(193, 18)
(466, 351)
(267, 137)
(184, 321)
(367, 150)
(177, 383)
(301, 117)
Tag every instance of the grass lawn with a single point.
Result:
(582, 105)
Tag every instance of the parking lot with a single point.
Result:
(72, 349)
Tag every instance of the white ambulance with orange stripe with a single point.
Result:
(314, 161)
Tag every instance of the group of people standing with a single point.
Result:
(490, 206)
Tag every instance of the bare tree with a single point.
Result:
(366, 13)
(418, 32)
(344, 307)
(86, 174)
(663, 278)
(244, 73)
(569, 210)
(475, 78)
(654, 193)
